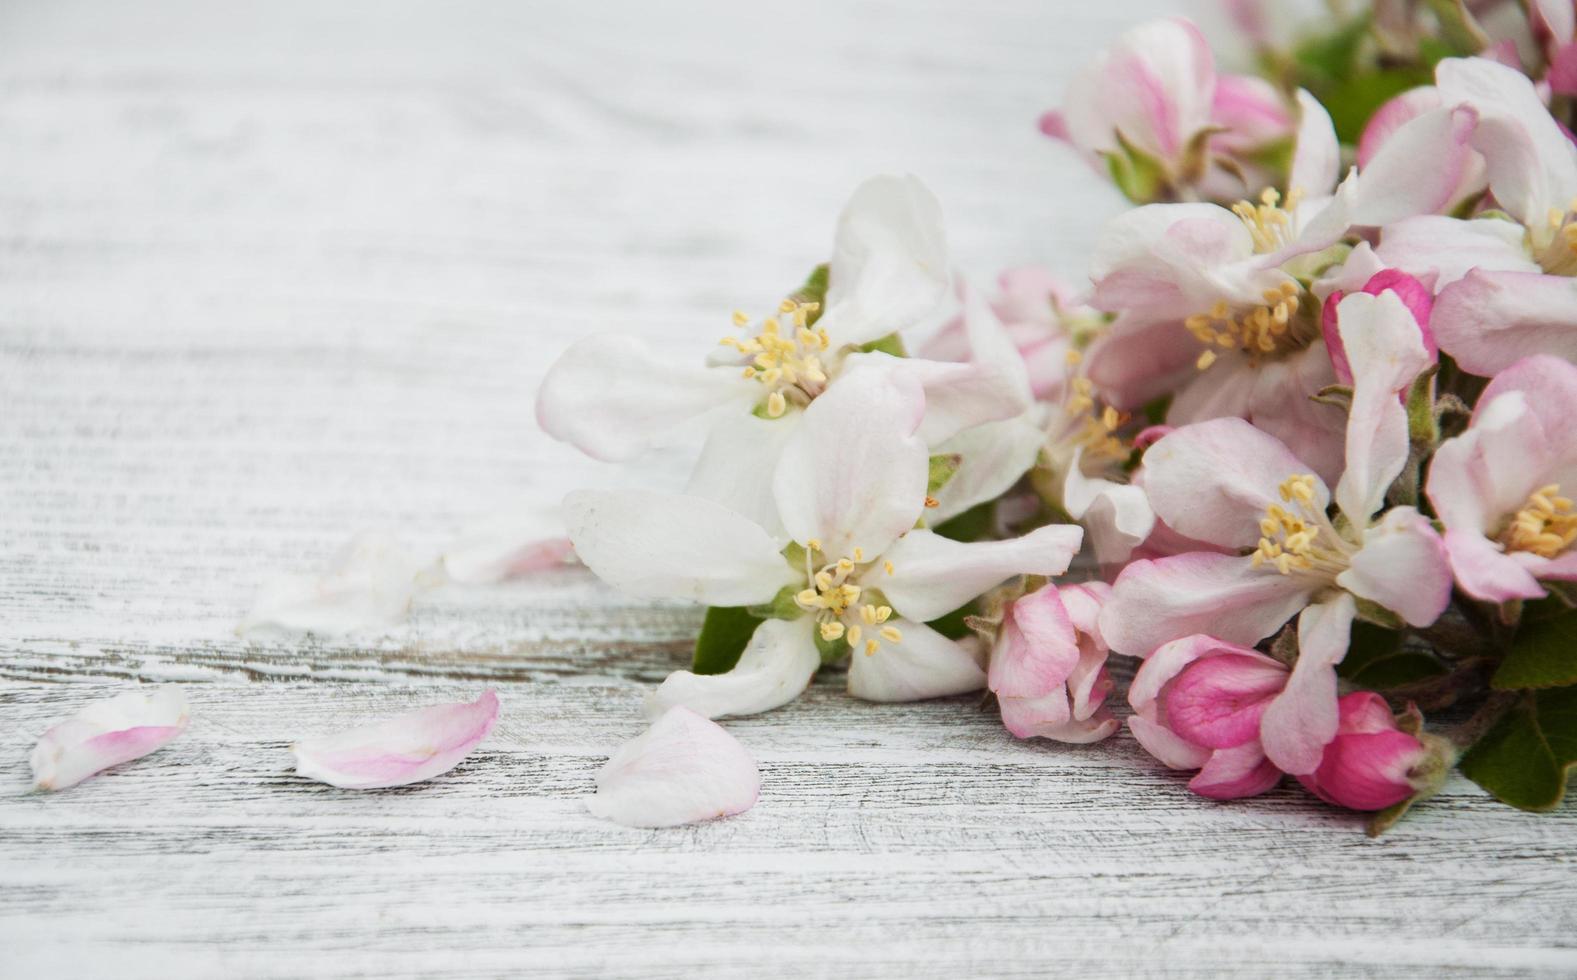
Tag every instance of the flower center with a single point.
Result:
(1094, 431)
(1545, 526)
(1270, 222)
(785, 359)
(1299, 537)
(1271, 329)
(1559, 257)
(834, 600)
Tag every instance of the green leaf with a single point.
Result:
(953, 625)
(1544, 654)
(973, 524)
(814, 291)
(724, 633)
(1524, 760)
(1377, 659)
(1353, 100)
(943, 468)
(890, 344)
(1332, 56)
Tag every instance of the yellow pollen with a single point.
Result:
(1262, 330)
(1205, 360)
(859, 554)
(1074, 358)
(776, 404)
(831, 631)
(1270, 222)
(786, 360)
(891, 634)
(740, 318)
(887, 567)
(871, 647)
(1298, 537)
(814, 544)
(1545, 526)
(932, 501)
(853, 636)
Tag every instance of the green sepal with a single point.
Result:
(1422, 426)
(724, 635)
(1524, 760)
(944, 467)
(1543, 655)
(782, 605)
(890, 344)
(814, 291)
(831, 651)
(1140, 176)
(1372, 612)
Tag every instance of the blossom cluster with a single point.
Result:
(1308, 423)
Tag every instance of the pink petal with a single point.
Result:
(1403, 566)
(1367, 765)
(1154, 602)
(1173, 751)
(1490, 320)
(1446, 249)
(1049, 718)
(1251, 109)
(1483, 569)
(1213, 480)
(1393, 115)
(1483, 476)
(1135, 362)
(1036, 648)
(683, 769)
(1316, 161)
(1217, 702)
(107, 733)
(523, 541)
(1232, 774)
(398, 751)
(1550, 386)
(1303, 718)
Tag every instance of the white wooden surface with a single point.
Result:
(271, 273)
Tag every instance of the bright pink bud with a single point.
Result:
(1048, 665)
(1367, 766)
(1414, 295)
(1197, 705)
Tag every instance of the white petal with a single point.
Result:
(684, 769)
(1117, 516)
(737, 463)
(925, 665)
(854, 473)
(992, 457)
(933, 575)
(1403, 566)
(774, 669)
(1449, 248)
(1385, 348)
(406, 749)
(674, 546)
(1303, 718)
(613, 398)
(529, 538)
(1316, 161)
(889, 261)
(107, 733)
(1490, 320)
(1483, 476)
(958, 395)
(368, 584)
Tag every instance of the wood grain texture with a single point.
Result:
(273, 273)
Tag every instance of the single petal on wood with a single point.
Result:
(406, 749)
(684, 769)
(368, 584)
(107, 733)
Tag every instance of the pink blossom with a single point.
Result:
(1198, 703)
(1048, 665)
(1503, 487)
(1368, 765)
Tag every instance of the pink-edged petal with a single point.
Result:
(367, 585)
(399, 751)
(1302, 720)
(522, 541)
(1446, 249)
(1048, 718)
(1490, 320)
(1483, 569)
(1385, 351)
(1154, 602)
(1549, 387)
(1167, 747)
(1136, 361)
(737, 463)
(1316, 160)
(613, 398)
(992, 457)
(1403, 566)
(1282, 404)
(1036, 648)
(854, 474)
(1393, 115)
(107, 733)
(684, 769)
(674, 546)
(774, 669)
(1161, 259)
(1084, 603)
(1480, 478)
(1118, 517)
(889, 260)
(924, 665)
(1235, 773)
(1217, 702)
(1213, 480)
(1252, 110)
(933, 575)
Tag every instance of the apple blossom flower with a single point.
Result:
(683, 769)
(409, 748)
(1503, 488)
(107, 733)
(850, 573)
(1198, 703)
(1369, 765)
(1151, 111)
(1048, 665)
(613, 397)
(1249, 343)
(1414, 295)
(1229, 484)
(1520, 296)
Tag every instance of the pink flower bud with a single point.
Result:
(1368, 765)
(1414, 295)
(1048, 665)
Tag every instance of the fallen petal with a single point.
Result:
(368, 584)
(399, 751)
(107, 733)
(684, 769)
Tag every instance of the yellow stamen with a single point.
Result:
(1545, 526)
(831, 631)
